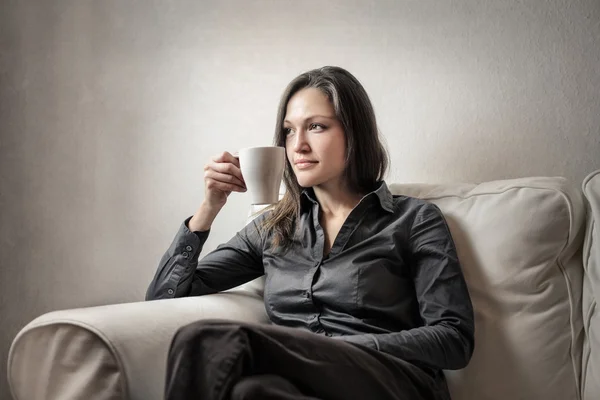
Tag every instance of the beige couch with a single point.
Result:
(531, 258)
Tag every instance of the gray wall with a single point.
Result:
(109, 110)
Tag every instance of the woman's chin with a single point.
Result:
(306, 183)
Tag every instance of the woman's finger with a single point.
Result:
(227, 157)
(226, 168)
(212, 184)
(224, 178)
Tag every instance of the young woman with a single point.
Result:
(364, 289)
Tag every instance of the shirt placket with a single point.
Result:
(313, 321)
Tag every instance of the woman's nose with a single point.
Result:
(300, 143)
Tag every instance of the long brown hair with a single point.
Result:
(366, 156)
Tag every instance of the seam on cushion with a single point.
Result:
(571, 324)
(588, 246)
(571, 214)
(570, 293)
(587, 180)
(90, 328)
(586, 360)
(562, 194)
(491, 193)
(572, 314)
(588, 317)
(589, 231)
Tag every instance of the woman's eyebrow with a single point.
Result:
(313, 117)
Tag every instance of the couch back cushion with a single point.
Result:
(591, 290)
(519, 242)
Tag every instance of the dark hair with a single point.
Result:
(366, 156)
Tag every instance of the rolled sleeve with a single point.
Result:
(181, 274)
(176, 267)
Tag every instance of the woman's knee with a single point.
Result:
(202, 330)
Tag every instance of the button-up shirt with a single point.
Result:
(392, 280)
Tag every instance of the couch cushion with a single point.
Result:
(116, 351)
(64, 361)
(519, 244)
(591, 289)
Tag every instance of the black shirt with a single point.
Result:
(392, 280)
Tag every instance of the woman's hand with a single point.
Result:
(221, 177)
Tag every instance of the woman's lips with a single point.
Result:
(305, 164)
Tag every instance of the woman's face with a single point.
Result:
(315, 141)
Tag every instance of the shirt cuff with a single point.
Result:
(188, 244)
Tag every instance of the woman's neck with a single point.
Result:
(336, 200)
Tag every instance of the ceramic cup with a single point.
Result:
(262, 169)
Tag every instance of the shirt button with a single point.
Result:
(170, 291)
(189, 248)
(185, 254)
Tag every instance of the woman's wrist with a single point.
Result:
(203, 218)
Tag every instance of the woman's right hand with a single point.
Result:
(221, 177)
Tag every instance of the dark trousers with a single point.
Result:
(215, 360)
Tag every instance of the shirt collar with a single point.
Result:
(383, 194)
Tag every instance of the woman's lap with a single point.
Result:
(209, 357)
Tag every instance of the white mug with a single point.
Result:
(262, 169)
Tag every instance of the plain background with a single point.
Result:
(109, 110)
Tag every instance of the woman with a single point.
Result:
(364, 288)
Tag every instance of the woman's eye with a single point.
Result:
(287, 131)
(317, 127)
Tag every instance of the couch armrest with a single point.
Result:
(112, 352)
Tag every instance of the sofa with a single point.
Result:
(530, 251)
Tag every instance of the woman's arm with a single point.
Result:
(446, 340)
(181, 274)
(239, 260)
